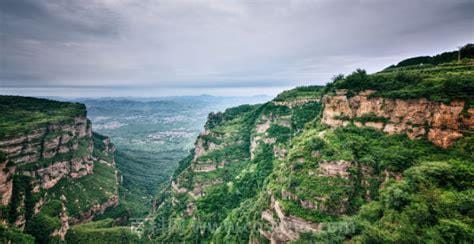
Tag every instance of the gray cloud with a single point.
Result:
(212, 43)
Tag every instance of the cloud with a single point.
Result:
(211, 43)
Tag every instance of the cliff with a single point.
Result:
(367, 158)
(49, 157)
(441, 123)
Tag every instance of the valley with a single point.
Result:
(151, 136)
(366, 158)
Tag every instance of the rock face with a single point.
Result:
(441, 123)
(202, 146)
(47, 154)
(109, 150)
(261, 132)
(35, 159)
(98, 208)
(284, 228)
(61, 232)
(6, 175)
(335, 168)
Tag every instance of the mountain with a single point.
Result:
(367, 158)
(373, 158)
(55, 172)
(151, 136)
(61, 181)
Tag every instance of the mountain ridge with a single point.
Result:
(325, 163)
(367, 158)
(56, 172)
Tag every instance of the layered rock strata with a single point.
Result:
(441, 123)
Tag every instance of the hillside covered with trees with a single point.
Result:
(367, 158)
(372, 158)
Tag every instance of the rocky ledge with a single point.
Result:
(441, 123)
(47, 155)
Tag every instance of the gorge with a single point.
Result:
(367, 158)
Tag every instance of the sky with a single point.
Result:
(218, 47)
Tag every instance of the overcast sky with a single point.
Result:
(116, 45)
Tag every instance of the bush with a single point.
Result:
(281, 133)
(41, 226)
(14, 236)
(300, 92)
(431, 204)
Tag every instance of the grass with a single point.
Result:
(300, 93)
(104, 231)
(81, 194)
(100, 148)
(14, 236)
(443, 84)
(21, 115)
(315, 216)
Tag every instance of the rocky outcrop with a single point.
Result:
(334, 169)
(59, 147)
(98, 208)
(49, 176)
(440, 123)
(46, 142)
(200, 168)
(203, 146)
(178, 189)
(284, 228)
(261, 136)
(47, 154)
(199, 188)
(6, 184)
(64, 218)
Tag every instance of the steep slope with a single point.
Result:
(151, 135)
(55, 171)
(229, 163)
(385, 157)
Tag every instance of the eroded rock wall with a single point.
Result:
(47, 154)
(441, 123)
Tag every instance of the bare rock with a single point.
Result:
(335, 168)
(441, 123)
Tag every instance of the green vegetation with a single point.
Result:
(466, 52)
(81, 151)
(245, 176)
(358, 184)
(300, 93)
(42, 225)
(21, 115)
(282, 133)
(151, 137)
(304, 114)
(440, 83)
(21, 193)
(77, 195)
(2, 157)
(100, 149)
(104, 231)
(14, 236)
(370, 118)
(294, 209)
(433, 202)
(82, 193)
